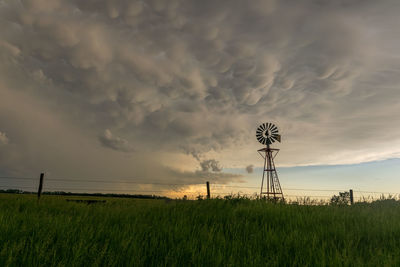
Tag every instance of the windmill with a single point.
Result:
(266, 134)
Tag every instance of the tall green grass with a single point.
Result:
(236, 232)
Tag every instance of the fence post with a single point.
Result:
(208, 190)
(40, 185)
(351, 197)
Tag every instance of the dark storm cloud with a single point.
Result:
(197, 77)
(250, 169)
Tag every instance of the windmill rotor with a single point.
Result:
(267, 133)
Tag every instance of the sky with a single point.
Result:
(173, 91)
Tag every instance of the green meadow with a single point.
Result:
(235, 232)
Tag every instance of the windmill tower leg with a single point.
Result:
(263, 176)
(273, 188)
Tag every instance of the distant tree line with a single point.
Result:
(62, 193)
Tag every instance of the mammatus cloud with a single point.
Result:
(210, 165)
(177, 78)
(3, 139)
(114, 142)
(250, 169)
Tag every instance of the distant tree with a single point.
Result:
(14, 191)
(342, 199)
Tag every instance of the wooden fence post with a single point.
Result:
(208, 190)
(351, 197)
(40, 185)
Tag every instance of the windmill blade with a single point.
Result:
(264, 126)
(259, 133)
(274, 128)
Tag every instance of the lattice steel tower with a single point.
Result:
(266, 134)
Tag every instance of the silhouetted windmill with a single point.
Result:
(266, 134)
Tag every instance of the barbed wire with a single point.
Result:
(6, 186)
(97, 181)
(169, 190)
(286, 189)
(18, 178)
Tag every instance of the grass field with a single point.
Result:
(196, 233)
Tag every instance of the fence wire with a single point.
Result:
(178, 190)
